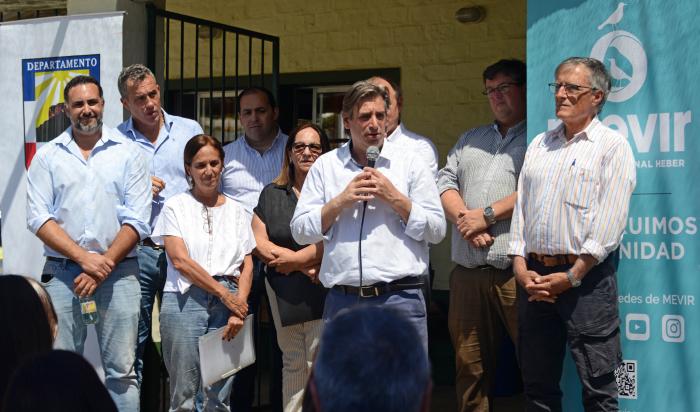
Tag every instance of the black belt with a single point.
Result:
(381, 288)
(229, 278)
(150, 243)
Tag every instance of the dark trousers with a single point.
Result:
(243, 391)
(586, 318)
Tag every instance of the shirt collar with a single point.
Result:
(66, 137)
(513, 131)
(398, 131)
(167, 122)
(275, 141)
(588, 133)
(345, 152)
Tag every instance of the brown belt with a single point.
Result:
(554, 260)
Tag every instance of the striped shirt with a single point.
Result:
(246, 171)
(483, 167)
(573, 197)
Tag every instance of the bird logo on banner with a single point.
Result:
(615, 17)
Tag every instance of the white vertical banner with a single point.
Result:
(38, 58)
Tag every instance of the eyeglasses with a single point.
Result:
(501, 88)
(206, 216)
(569, 88)
(314, 148)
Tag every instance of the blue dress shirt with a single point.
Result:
(89, 199)
(166, 156)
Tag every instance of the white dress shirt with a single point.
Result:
(573, 196)
(246, 171)
(391, 249)
(218, 238)
(423, 147)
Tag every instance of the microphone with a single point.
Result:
(372, 155)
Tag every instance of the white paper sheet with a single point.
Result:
(220, 359)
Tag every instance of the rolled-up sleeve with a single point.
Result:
(617, 182)
(39, 194)
(306, 223)
(447, 177)
(426, 222)
(517, 245)
(136, 209)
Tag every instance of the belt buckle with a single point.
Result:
(373, 289)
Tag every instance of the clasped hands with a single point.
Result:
(96, 268)
(367, 185)
(542, 288)
(473, 227)
(239, 311)
(286, 261)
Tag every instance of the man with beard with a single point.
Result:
(88, 200)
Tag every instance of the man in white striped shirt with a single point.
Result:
(573, 199)
(477, 188)
(250, 163)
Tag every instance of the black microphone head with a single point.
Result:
(372, 155)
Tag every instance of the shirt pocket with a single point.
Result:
(581, 187)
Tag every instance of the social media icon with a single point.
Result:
(673, 328)
(637, 326)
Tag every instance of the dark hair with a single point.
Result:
(25, 325)
(286, 176)
(77, 81)
(196, 143)
(513, 68)
(58, 381)
(256, 89)
(371, 358)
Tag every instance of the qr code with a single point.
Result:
(626, 377)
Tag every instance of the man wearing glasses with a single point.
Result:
(573, 198)
(477, 187)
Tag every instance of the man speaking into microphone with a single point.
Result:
(375, 217)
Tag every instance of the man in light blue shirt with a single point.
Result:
(88, 200)
(251, 162)
(162, 138)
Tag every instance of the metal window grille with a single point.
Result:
(203, 64)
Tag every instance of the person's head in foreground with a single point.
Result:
(58, 381)
(369, 359)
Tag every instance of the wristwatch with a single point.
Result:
(490, 215)
(572, 279)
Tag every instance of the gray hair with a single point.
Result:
(362, 90)
(599, 78)
(136, 73)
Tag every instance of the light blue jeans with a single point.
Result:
(117, 299)
(152, 264)
(183, 319)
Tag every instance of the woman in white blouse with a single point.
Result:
(208, 242)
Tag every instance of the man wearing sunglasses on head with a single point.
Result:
(477, 187)
(573, 199)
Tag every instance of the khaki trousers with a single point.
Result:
(482, 309)
(298, 344)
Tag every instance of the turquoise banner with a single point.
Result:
(651, 50)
